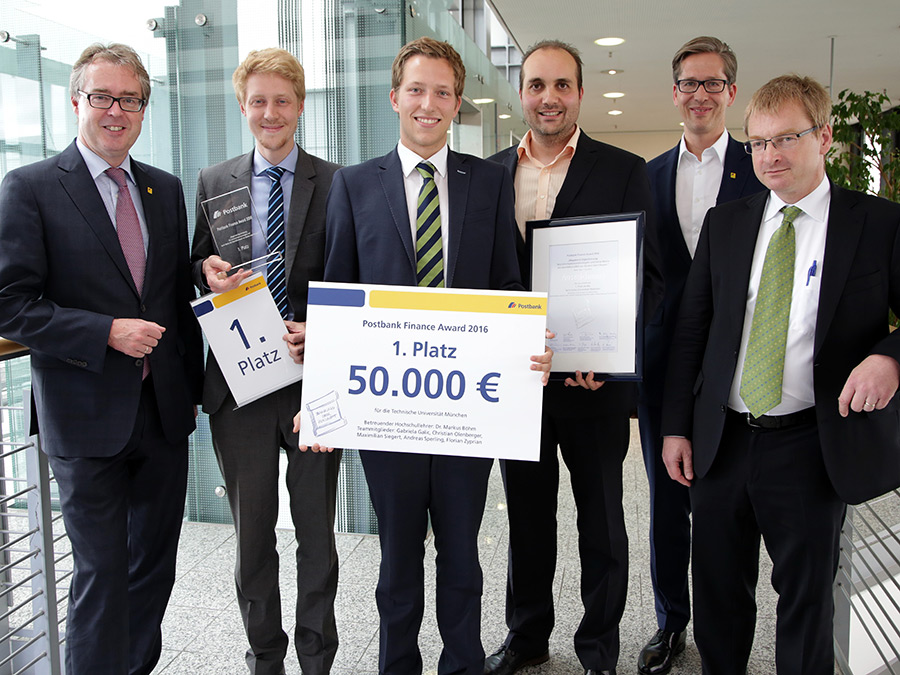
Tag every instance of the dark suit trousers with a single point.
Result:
(248, 442)
(406, 489)
(773, 483)
(670, 529)
(593, 447)
(123, 516)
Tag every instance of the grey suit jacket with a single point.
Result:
(304, 238)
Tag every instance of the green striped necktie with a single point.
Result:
(429, 247)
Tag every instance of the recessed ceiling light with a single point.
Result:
(681, 124)
(613, 94)
(611, 71)
(609, 41)
(504, 116)
(482, 101)
(614, 112)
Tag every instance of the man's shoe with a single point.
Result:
(505, 661)
(591, 671)
(656, 656)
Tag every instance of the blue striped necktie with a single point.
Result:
(429, 247)
(275, 240)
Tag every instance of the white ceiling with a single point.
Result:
(770, 38)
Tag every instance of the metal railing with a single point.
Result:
(34, 553)
(33, 585)
(867, 589)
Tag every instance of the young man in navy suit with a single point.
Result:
(559, 171)
(371, 227)
(95, 280)
(779, 404)
(706, 168)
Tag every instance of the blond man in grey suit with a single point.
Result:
(270, 88)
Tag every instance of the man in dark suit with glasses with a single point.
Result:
(779, 405)
(95, 280)
(706, 168)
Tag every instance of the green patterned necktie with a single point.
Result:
(761, 380)
(429, 247)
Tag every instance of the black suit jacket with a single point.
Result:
(738, 180)
(369, 236)
(304, 238)
(63, 279)
(860, 280)
(601, 179)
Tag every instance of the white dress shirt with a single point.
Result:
(697, 183)
(412, 181)
(810, 228)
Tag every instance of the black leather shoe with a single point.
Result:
(505, 661)
(656, 656)
(591, 671)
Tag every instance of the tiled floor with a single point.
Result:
(203, 634)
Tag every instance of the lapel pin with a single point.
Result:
(461, 171)
(150, 189)
(733, 174)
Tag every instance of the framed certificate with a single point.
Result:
(592, 271)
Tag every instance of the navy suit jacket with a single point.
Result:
(63, 279)
(738, 180)
(602, 179)
(368, 235)
(304, 244)
(860, 279)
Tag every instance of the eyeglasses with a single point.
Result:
(783, 142)
(711, 86)
(105, 101)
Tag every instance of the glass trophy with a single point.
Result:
(231, 225)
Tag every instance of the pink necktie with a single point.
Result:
(128, 227)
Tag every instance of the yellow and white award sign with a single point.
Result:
(244, 330)
(437, 371)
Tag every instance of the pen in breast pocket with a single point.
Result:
(811, 273)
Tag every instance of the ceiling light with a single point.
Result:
(609, 41)
(612, 71)
(614, 112)
(504, 116)
(613, 94)
(482, 101)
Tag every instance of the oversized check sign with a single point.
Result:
(439, 371)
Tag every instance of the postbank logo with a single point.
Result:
(526, 305)
(230, 210)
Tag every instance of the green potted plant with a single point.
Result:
(865, 155)
(865, 126)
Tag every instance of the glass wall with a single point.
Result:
(193, 120)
